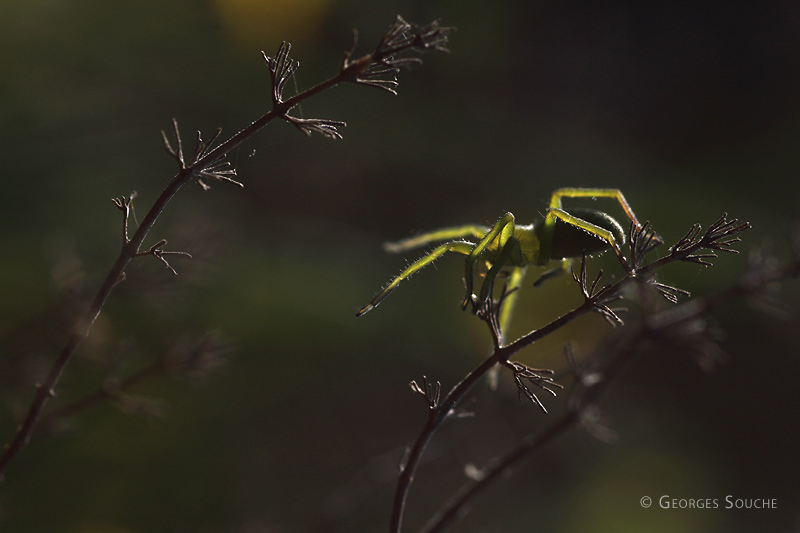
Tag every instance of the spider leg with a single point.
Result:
(513, 285)
(562, 268)
(443, 234)
(509, 255)
(503, 230)
(462, 247)
(577, 192)
(599, 232)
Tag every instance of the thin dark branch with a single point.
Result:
(158, 252)
(430, 391)
(125, 204)
(325, 127)
(455, 507)
(80, 331)
(540, 378)
(448, 404)
(108, 391)
(719, 236)
(184, 357)
(207, 161)
(596, 299)
(656, 328)
(436, 416)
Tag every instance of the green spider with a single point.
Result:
(508, 248)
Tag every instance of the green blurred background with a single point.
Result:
(690, 108)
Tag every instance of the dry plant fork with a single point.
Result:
(207, 163)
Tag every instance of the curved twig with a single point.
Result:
(208, 161)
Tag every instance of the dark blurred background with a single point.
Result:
(690, 108)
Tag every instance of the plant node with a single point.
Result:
(598, 298)
(157, 252)
(541, 378)
(430, 391)
(197, 167)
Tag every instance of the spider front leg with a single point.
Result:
(503, 232)
(462, 247)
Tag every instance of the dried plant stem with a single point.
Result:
(106, 392)
(586, 394)
(718, 237)
(451, 510)
(440, 413)
(208, 162)
(573, 416)
(46, 389)
(436, 416)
